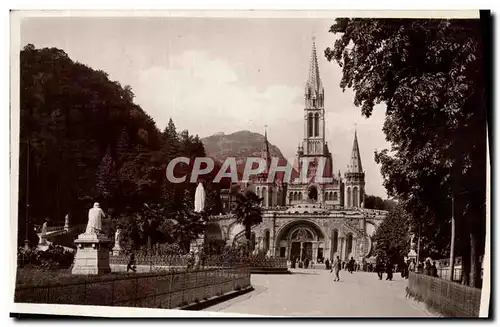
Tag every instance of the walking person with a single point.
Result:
(433, 270)
(351, 265)
(379, 267)
(131, 262)
(389, 269)
(337, 266)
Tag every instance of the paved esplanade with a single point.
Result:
(312, 292)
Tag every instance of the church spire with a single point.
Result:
(314, 84)
(355, 166)
(266, 154)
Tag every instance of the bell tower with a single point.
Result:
(354, 179)
(314, 112)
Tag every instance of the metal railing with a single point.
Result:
(157, 290)
(444, 272)
(446, 297)
(205, 261)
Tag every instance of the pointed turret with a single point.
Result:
(354, 178)
(355, 164)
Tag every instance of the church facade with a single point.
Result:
(309, 217)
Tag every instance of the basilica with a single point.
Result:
(304, 218)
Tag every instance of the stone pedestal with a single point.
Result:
(412, 255)
(92, 255)
(42, 239)
(116, 250)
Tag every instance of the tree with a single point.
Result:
(106, 178)
(248, 212)
(376, 202)
(188, 226)
(392, 236)
(88, 139)
(429, 74)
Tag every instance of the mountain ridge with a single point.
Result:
(241, 145)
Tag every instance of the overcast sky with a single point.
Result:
(222, 75)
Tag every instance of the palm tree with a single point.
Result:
(248, 212)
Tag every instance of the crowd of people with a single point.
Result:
(381, 267)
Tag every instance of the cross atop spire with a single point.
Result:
(314, 81)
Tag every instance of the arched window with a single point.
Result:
(271, 200)
(264, 195)
(348, 196)
(355, 197)
(349, 244)
(309, 125)
(300, 196)
(335, 240)
(335, 197)
(316, 124)
(267, 237)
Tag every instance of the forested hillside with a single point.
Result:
(88, 141)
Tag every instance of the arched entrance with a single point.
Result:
(300, 239)
(213, 232)
(301, 243)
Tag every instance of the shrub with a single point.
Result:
(55, 257)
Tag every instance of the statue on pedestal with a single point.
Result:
(412, 254)
(66, 222)
(117, 237)
(117, 248)
(43, 234)
(94, 225)
(93, 246)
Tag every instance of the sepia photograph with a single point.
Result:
(280, 163)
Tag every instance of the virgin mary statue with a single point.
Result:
(199, 198)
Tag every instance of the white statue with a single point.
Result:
(412, 242)
(117, 238)
(44, 229)
(43, 235)
(94, 226)
(199, 198)
(66, 222)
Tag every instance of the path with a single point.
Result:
(312, 292)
